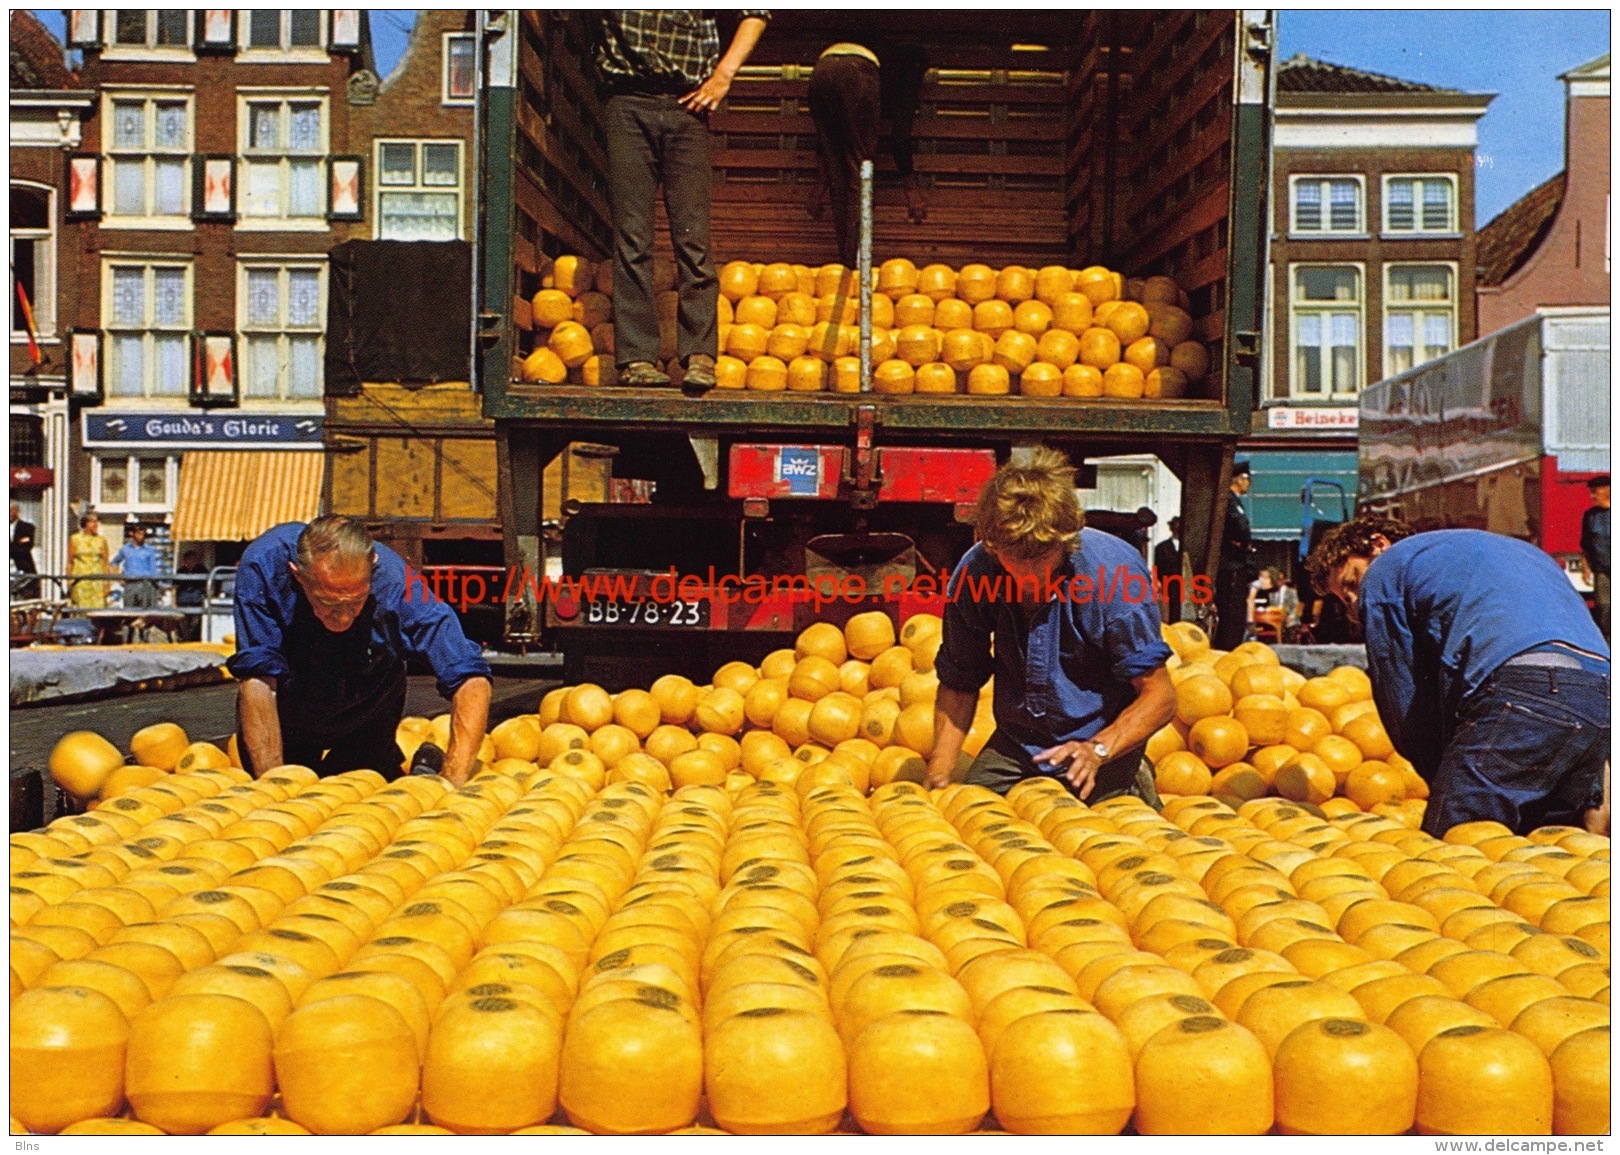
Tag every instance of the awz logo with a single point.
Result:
(800, 470)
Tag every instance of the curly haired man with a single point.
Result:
(1079, 664)
(1488, 671)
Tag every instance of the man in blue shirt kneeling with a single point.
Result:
(1079, 663)
(1488, 671)
(325, 619)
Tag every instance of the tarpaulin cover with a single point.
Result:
(42, 675)
(399, 313)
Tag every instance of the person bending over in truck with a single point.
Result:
(1488, 672)
(1079, 664)
(661, 75)
(325, 620)
(853, 86)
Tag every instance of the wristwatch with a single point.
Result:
(1101, 750)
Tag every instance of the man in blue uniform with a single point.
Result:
(135, 559)
(1488, 671)
(325, 619)
(1081, 683)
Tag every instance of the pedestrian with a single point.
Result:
(857, 83)
(22, 554)
(1167, 565)
(1489, 674)
(137, 560)
(1595, 549)
(190, 595)
(1265, 593)
(325, 620)
(1237, 568)
(88, 554)
(661, 75)
(1080, 676)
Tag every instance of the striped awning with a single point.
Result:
(235, 495)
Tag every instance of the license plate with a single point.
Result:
(672, 615)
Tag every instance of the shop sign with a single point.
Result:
(112, 430)
(1292, 417)
(31, 477)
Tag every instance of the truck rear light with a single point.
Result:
(566, 607)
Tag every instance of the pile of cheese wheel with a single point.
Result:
(1048, 333)
(541, 952)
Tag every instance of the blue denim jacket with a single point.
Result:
(405, 623)
(1065, 672)
(1442, 611)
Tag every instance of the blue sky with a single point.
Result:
(1517, 54)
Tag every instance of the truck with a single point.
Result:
(1501, 435)
(1137, 140)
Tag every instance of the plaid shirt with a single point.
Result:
(665, 49)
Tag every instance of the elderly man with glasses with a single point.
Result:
(325, 620)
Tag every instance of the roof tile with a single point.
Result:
(1303, 74)
(1508, 241)
(36, 56)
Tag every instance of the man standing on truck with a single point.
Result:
(853, 86)
(1237, 566)
(1079, 664)
(1595, 548)
(1489, 673)
(662, 74)
(325, 620)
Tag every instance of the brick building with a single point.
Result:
(1550, 248)
(1372, 267)
(215, 165)
(48, 106)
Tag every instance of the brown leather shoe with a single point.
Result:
(699, 373)
(643, 375)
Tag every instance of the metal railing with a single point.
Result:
(40, 596)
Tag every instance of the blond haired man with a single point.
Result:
(1079, 665)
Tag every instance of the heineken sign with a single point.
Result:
(210, 430)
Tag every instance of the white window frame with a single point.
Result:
(112, 158)
(171, 483)
(1418, 230)
(43, 298)
(283, 53)
(1358, 376)
(1420, 308)
(1327, 232)
(446, 97)
(380, 190)
(246, 332)
(149, 329)
(150, 49)
(248, 159)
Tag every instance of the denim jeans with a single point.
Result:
(1527, 751)
(653, 140)
(1002, 765)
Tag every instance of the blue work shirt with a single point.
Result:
(136, 560)
(404, 623)
(1442, 610)
(1064, 671)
